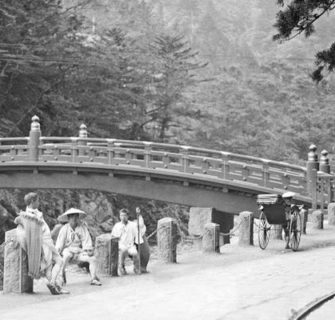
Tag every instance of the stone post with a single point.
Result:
(312, 163)
(16, 277)
(82, 135)
(317, 219)
(331, 213)
(246, 229)
(167, 239)
(34, 139)
(324, 162)
(107, 254)
(304, 219)
(211, 238)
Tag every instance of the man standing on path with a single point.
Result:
(35, 238)
(74, 243)
(125, 231)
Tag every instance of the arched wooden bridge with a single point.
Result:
(179, 174)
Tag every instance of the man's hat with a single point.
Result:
(65, 216)
(288, 194)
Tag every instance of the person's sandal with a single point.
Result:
(53, 289)
(62, 290)
(96, 282)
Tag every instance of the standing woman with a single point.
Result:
(141, 241)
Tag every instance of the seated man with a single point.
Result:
(74, 242)
(125, 231)
(35, 238)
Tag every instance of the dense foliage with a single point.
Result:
(298, 17)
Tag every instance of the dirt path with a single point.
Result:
(239, 283)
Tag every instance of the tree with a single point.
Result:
(300, 16)
(176, 64)
(37, 47)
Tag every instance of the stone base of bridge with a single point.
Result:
(199, 217)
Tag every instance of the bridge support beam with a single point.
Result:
(211, 238)
(167, 233)
(246, 230)
(16, 279)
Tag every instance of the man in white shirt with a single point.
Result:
(75, 243)
(125, 231)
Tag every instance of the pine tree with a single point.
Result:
(299, 17)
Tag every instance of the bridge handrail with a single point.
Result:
(181, 148)
(179, 158)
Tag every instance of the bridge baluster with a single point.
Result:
(166, 160)
(74, 149)
(245, 173)
(147, 154)
(185, 158)
(266, 174)
(110, 148)
(128, 156)
(226, 166)
(34, 139)
(285, 179)
(204, 165)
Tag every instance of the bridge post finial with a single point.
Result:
(312, 164)
(34, 138)
(82, 135)
(83, 131)
(324, 162)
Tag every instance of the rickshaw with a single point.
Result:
(274, 210)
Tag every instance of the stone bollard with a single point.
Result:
(317, 219)
(16, 277)
(107, 254)
(304, 219)
(277, 232)
(211, 238)
(167, 233)
(331, 213)
(246, 229)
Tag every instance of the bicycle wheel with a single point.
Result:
(295, 230)
(263, 231)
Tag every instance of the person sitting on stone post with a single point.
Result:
(75, 243)
(125, 232)
(35, 238)
(287, 197)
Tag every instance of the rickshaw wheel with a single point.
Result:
(295, 230)
(263, 231)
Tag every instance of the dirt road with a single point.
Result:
(239, 283)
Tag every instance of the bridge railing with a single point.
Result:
(171, 158)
